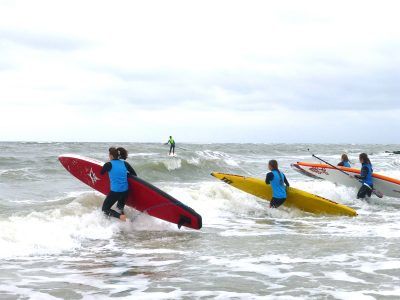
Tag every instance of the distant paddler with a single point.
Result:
(171, 142)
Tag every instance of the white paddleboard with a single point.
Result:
(387, 186)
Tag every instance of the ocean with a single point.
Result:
(56, 244)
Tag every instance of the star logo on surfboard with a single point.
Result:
(93, 177)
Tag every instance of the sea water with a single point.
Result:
(56, 244)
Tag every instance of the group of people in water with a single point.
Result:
(279, 182)
(119, 170)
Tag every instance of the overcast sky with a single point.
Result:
(203, 71)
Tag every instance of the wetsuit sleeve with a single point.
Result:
(364, 173)
(341, 164)
(106, 168)
(130, 169)
(269, 178)
(286, 181)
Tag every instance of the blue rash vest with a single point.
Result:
(368, 179)
(278, 186)
(346, 164)
(118, 176)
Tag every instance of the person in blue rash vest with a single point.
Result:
(345, 162)
(118, 170)
(365, 177)
(277, 180)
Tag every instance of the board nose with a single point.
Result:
(62, 159)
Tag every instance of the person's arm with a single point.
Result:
(106, 168)
(364, 173)
(269, 178)
(131, 171)
(341, 164)
(286, 181)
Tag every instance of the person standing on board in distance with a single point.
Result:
(118, 170)
(277, 180)
(365, 177)
(172, 145)
(345, 161)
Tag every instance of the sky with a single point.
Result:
(202, 71)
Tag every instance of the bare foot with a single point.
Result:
(122, 218)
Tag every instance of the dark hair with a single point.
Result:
(113, 152)
(364, 158)
(118, 153)
(122, 153)
(274, 166)
(345, 157)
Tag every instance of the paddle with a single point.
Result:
(376, 192)
(184, 149)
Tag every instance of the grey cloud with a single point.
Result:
(322, 83)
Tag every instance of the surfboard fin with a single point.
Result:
(183, 220)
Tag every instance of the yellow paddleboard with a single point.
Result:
(295, 198)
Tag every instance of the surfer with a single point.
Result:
(172, 145)
(345, 161)
(118, 170)
(277, 180)
(365, 177)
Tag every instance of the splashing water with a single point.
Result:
(55, 242)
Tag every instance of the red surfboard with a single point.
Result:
(143, 196)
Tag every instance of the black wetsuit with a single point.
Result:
(172, 148)
(276, 202)
(115, 197)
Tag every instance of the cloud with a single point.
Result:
(41, 41)
(319, 86)
(219, 70)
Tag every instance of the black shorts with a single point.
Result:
(364, 191)
(276, 202)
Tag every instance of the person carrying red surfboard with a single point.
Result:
(118, 170)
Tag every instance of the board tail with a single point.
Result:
(188, 216)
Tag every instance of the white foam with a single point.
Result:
(258, 265)
(343, 295)
(194, 161)
(27, 292)
(66, 227)
(343, 276)
(172, 164)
